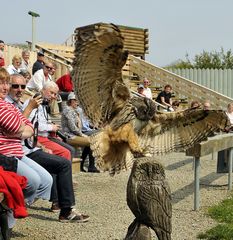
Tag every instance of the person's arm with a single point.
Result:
(14, 124)
(24, 132)
(32, 104)
(164, 103)
(38, 79)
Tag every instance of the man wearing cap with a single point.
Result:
(72, 127)
(39, 62)
(141, 89)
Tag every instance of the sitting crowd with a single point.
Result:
(35, 152)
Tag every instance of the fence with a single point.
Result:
(216, 79)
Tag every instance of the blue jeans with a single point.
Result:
(39, 180)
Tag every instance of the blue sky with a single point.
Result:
(176, 27)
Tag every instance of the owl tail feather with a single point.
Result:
(110, 155)
(138, 231)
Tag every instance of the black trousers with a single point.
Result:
(62, 168)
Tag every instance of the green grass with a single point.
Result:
(223, 213)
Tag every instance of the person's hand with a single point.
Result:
(35, 102)
(48, 150)
(55, 127)
(44, 149)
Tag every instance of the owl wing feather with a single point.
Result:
(99, 58)
(178, 131)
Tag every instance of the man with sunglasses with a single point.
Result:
(63, 187)
(42, 76)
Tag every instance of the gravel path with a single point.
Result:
(104, 199)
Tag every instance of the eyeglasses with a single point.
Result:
(49, 68)
(16, 86)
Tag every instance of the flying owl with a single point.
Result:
(129, 126)
(149, 198)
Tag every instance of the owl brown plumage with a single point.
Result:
(129, 124)
(149, 198)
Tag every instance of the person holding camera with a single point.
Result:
(55, 165)
(46, 128)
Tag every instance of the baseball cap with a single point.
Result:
(40, 53)
(71, 96)
(140, 86)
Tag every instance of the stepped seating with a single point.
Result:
(184, 89)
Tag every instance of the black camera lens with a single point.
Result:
(45, 102)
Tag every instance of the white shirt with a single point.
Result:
(45, 126)
(38, 80)
(12, 70)
(26, 66)
(147, 92)
(230, 116)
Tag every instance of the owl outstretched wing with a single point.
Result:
(168, 132)
(99, 58)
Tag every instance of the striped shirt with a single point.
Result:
(10, 121)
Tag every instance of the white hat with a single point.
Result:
(71, 96)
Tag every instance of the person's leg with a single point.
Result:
(62, 168)
(92, 167)
(65, 145)
(45, 179)
(84, 155)
(56, 148)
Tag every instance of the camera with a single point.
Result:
(61, 135)
(45, 101)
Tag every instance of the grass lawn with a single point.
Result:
(223, 213)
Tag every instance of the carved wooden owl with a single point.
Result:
(149, 198)
(127, 124)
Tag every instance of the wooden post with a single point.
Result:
(197, 184)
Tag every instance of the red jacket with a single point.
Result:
(65, 83)
(11, 185)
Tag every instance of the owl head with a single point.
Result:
(148, 169)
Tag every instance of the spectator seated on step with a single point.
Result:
(14, 128)
(39, 63)
(65, 85)
(14, 68)
(26, 65)
(195, 104)
(72, 127)
(140, 89)
(46, 128)
(165, 97)
(206, 105)
(147, 91)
